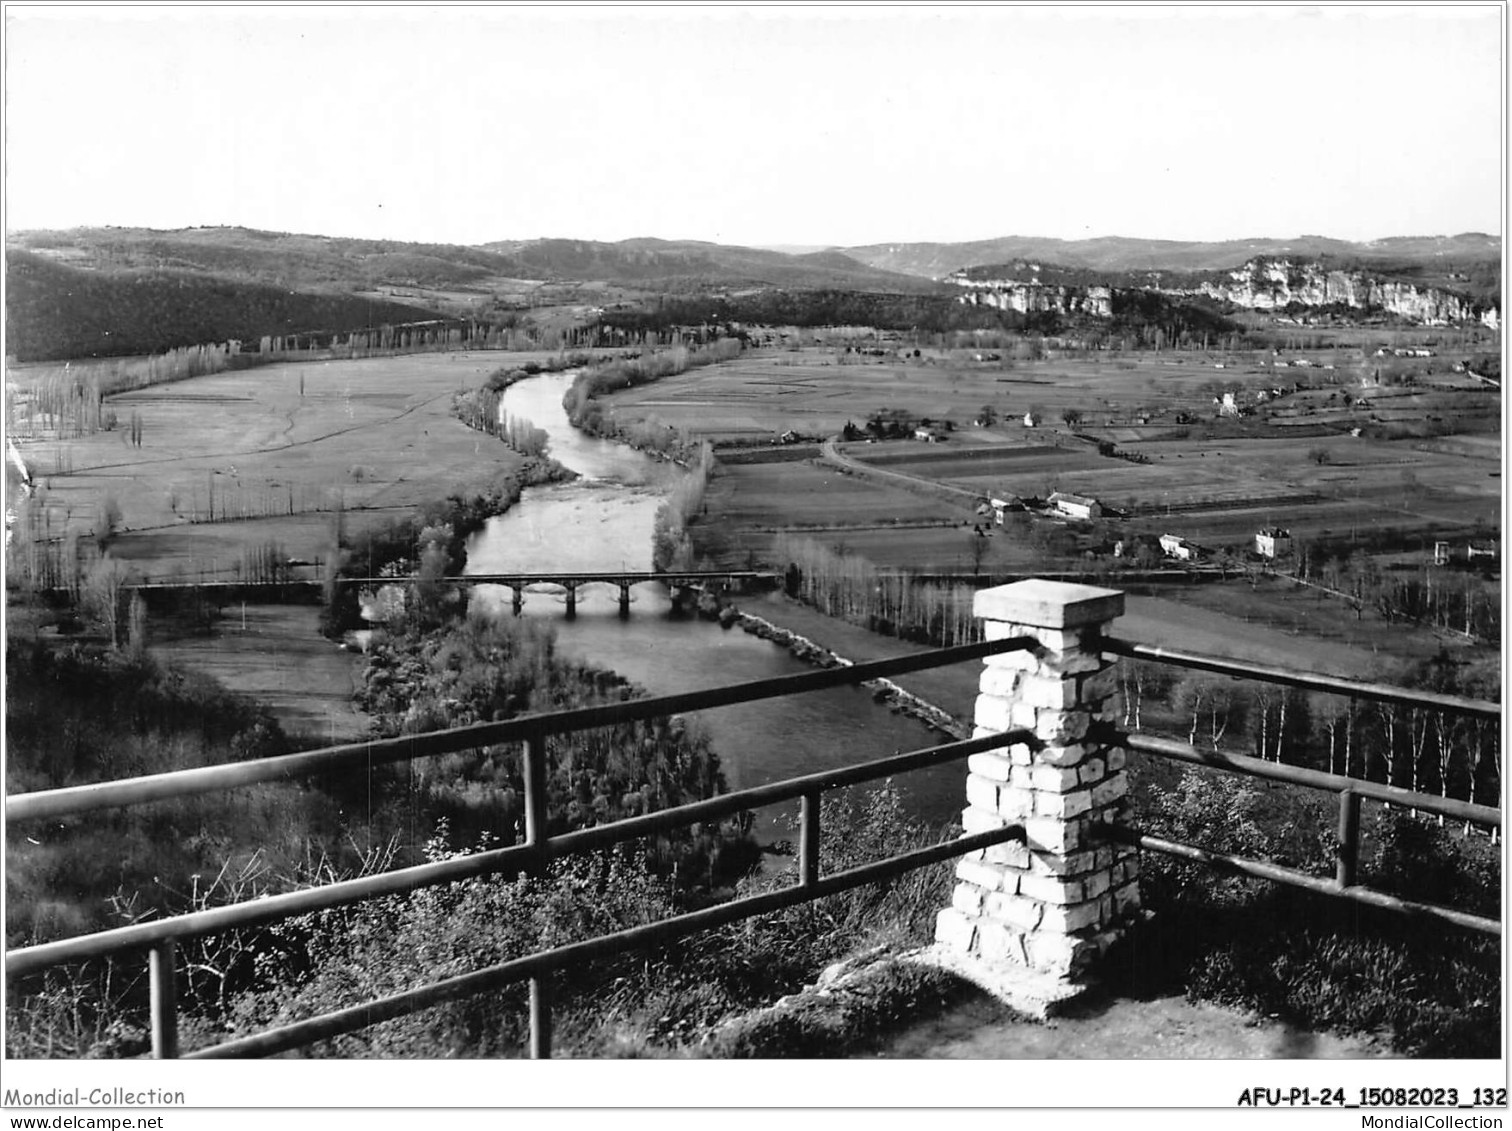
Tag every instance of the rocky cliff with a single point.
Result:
(1266, 283)
(1026, 298)
(1262, 283)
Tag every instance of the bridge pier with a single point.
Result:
(624, 600)
(571, 587)
(1037, 916)
(517, 599)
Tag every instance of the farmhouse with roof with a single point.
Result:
(1274, 542)
(1075, 506)
(1175, 546)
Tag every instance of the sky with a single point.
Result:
(759, 126)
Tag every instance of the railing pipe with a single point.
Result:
(1349, 839)
(534, 757)
(27, 960)
(540, 1017)
(357, 1017)
(209, 779)
(162, 988)
(1243, 669)
(808, 843)
(1224, 862)
(1314, 779)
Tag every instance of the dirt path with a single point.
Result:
(1170, 1028)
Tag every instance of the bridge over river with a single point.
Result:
(570, 583)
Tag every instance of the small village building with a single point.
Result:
(929, 435)
(1001, 505)
(1175, 546)
(1029, 420)
(1275, 542)
(1075, 506)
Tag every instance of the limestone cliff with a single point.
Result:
(1026, 298)
(1266, 283)
(1263, 283)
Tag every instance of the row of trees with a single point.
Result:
(1418, 748)
(851, 588)
(672, 544)
(1456, 600)
(586, 413)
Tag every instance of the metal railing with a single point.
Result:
(160, 937)
(1350, 791)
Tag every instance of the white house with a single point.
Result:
(1075, 506)
(1002, 505)
(1273, 543)
(1175, 546)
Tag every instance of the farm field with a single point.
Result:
(276, 655)
(373, 436)
(1226, 488)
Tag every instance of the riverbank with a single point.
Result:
(942, 698)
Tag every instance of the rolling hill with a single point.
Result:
(1119, 253)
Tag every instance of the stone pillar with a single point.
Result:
(571, 599)
(1055, 903)
(624, 600)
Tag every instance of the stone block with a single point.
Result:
(1051, 804)
(1065, 955)
(1045, 691)
(1071, 662)
(1048, 604)
(1126, 899)
(1054, 779)
(1013, 803)
(974, 820)
(982, 793)
(988, 877)
(998, 942)
(1014, 910)
(1092, 771)
(1110, 790)
(1052, 864)
(967, 898)
(1002, 682)
(955, 929)
(1061, 754)
(1095, 883)
(992, 766)
(1051, 889)
(1076, 917)
(1099, 685)
(1051, 834)
(1020, 754)
(1060, 728)
(994, 713)
(1023, 660)
(1117, 757)
(1010, 854)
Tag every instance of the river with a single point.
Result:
(604, 521)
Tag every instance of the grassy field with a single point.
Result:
(276, 655)
(271, 452)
